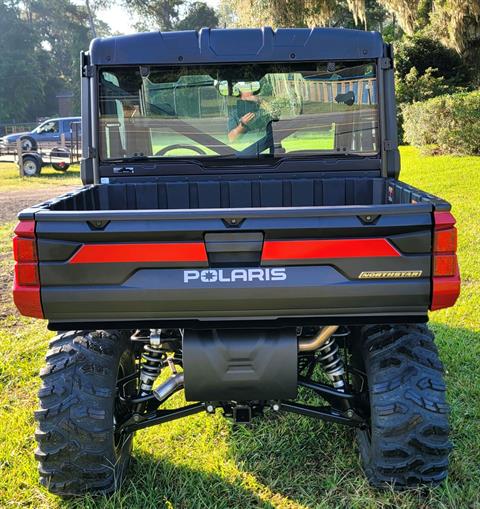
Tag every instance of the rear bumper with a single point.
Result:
(307, 292)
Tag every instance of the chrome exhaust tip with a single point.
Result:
(169, 387)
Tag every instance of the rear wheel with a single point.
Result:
(79, 450)
(406, 443)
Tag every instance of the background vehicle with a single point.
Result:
(60, 158)
(48, 132)
(242, 232)
(55, 142)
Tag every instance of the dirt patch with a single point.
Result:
(12, 202)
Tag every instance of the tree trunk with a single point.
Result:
(90, 18)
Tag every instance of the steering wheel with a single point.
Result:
(193, 148)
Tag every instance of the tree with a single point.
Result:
(424, 52)
(226, 15)
(374, 17)
(98, 28)
(199, 15)
(64, 31)
(41, 42)
(20, 66)
(300, 13)
(91, 20)
(159, 14)
(416, 87)
(455, 23)
(167, 14)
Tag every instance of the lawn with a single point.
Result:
(320, 139)
(285, 461)
(10, 180)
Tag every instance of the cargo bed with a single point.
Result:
(224, 193)
(206, 251)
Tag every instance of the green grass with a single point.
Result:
(284, 461)
(10, 179)
(310, 140)
(300, 140)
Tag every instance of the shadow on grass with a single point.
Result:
(311, 461)
(287, 460)
(51, 174)
(297, 457)
(154, 483)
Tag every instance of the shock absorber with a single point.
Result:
(151, 366)
(332, 363)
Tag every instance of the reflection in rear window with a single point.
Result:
(235, 111)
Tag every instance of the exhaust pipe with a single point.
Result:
(314, 343)
(169, 387)
(177, 381)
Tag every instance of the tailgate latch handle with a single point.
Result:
(234, 248)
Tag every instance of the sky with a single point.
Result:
(122, 21)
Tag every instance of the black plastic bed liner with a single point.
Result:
(241, 193)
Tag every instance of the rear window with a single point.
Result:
(239, 111)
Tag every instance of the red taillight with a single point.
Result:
(27, 300)
(27, 274)
(25, 229)
(444, 265)
(445, 291)
(24, 250)
(445, 272)
(445, 241)
(26, 282)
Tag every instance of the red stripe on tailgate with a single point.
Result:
(146, 252)
(319, 249)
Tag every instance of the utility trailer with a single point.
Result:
(243, 228)
(55, 142)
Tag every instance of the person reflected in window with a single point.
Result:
(248, 116)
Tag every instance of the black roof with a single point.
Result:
(237, 45)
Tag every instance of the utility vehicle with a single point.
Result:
(242, 233)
